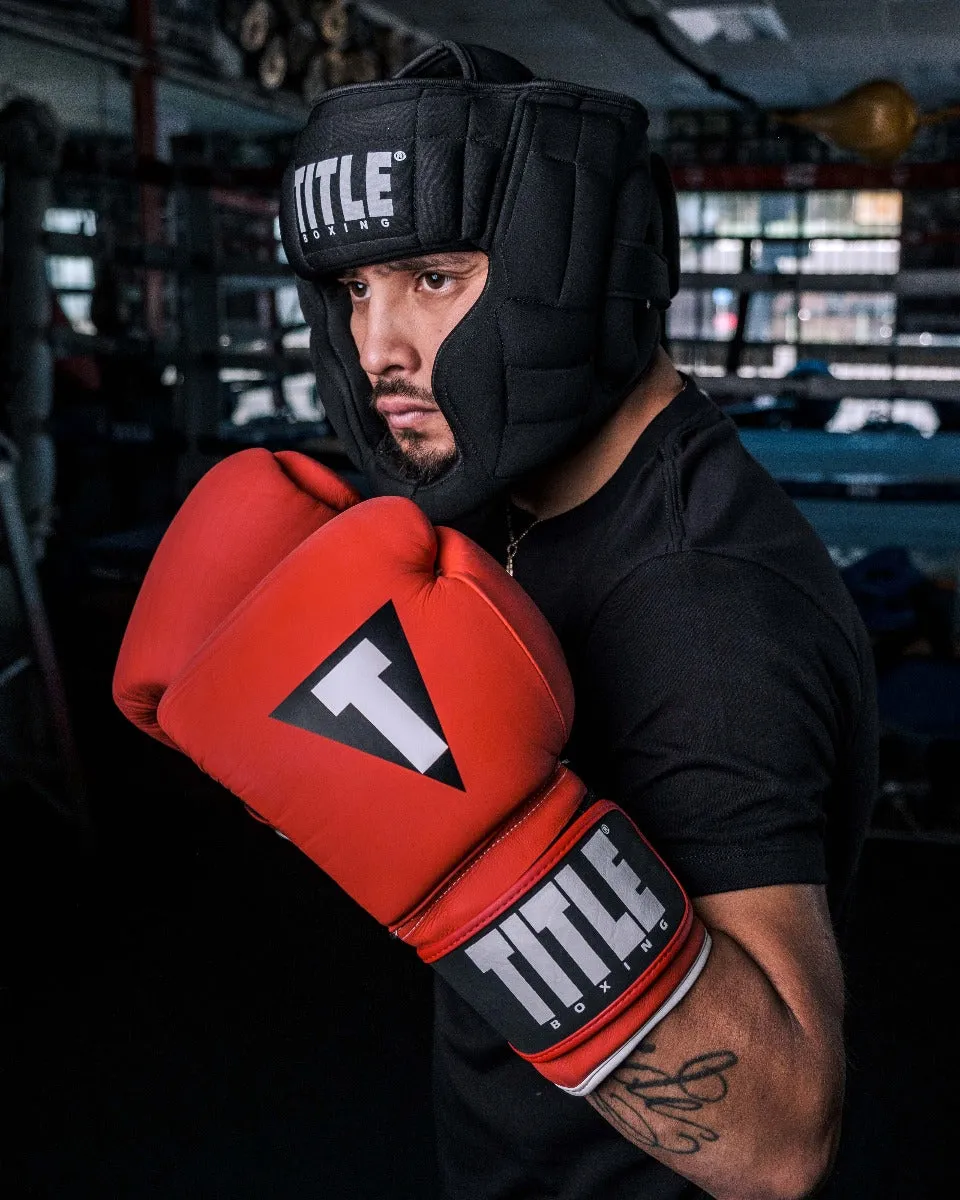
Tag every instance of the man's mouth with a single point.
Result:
(401, 412)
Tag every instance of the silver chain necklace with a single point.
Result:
(514, 539)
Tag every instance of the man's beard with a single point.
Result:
(413, 461)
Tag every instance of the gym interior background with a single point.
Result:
(189, 1009)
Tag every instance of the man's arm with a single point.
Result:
(740, 1088)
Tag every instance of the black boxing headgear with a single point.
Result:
(556, 183)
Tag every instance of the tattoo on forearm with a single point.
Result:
(637, 1093)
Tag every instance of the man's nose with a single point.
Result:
(385, 343)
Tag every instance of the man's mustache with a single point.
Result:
(400, 387)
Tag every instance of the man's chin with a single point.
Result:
(413, 462)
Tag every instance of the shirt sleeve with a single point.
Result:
(720, 698)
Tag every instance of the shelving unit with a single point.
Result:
(774, 276)
(826, 260)
(230, 358)
(81, 63)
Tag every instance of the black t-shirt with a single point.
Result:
(725, 698)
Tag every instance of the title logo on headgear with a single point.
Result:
(347, 205)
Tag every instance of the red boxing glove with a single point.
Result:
(391, 701)
(245, 515)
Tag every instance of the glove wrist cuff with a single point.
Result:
(593, 945)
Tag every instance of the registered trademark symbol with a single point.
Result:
(399, 155)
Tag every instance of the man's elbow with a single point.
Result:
(804, 1174)
(805, 1161)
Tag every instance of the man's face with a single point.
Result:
(401, 313)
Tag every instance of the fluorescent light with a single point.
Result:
(699, 24)
(729, 23)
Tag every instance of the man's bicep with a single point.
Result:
(786, 930)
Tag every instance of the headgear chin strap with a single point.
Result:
(557, 184)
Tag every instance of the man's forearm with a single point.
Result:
(739, 1089)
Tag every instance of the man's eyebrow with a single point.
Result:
(424, 261)
(450, 261)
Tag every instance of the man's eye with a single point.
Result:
(434, 280)
(355, 287)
